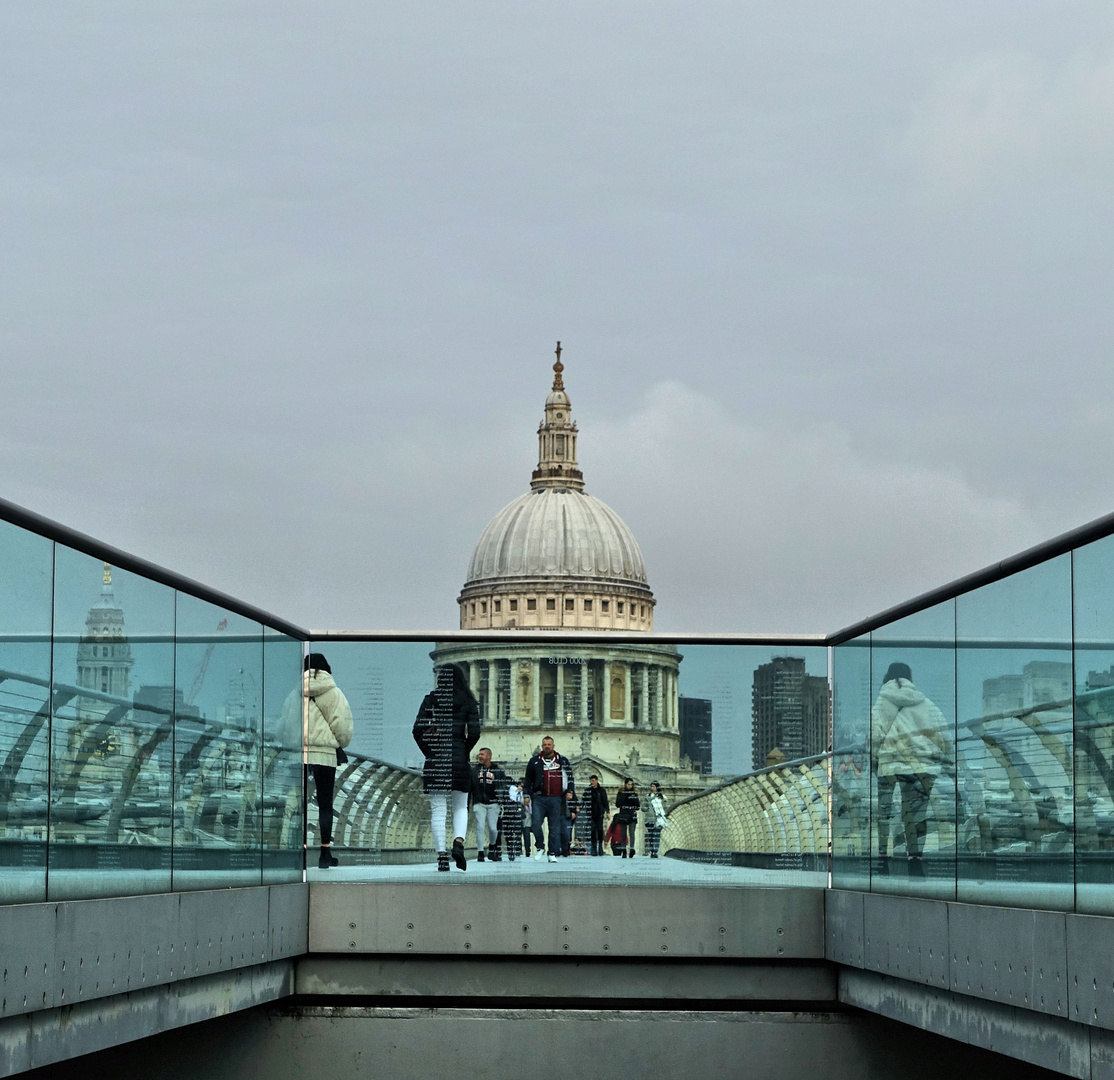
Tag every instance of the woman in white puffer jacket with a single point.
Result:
(327, 724)
(912, 747)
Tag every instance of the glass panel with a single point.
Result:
(217, 747)
(111, 738)
(913, 754)
(26, 567)
(693, 721)
(283, 851)
(1014, 745)
(850, 772)
(1093, 587)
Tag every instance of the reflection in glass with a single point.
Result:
(1093, 589)
(1014, 744)
(282, 758)
(111, 737)
(217, 748)
(26, 565)
(614, 711)
(850, 766)
(913, 754)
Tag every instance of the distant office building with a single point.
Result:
(1041, 682)
(789, 711)
(695, 715)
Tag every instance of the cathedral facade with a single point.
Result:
(558, 558)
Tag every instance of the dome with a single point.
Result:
(554, 532)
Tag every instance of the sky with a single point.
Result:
(281, 285)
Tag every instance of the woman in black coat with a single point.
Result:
(446, 729)
(626, 813)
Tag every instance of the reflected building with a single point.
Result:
(695, 716)
(1041, 682)
(789, 712)
(558, 558)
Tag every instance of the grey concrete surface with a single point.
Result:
(566, 920)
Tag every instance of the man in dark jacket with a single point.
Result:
(489, 784)
(599, 808)
(549, 784)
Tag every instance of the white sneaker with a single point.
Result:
(538, 856)
(552, 858)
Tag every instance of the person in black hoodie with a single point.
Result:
(446, 729)
(596, 802)
(489, 786)
(626, 806)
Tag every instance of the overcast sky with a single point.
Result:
(281, 284)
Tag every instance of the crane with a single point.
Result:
(200, 678)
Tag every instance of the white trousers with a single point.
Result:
(486, 815)
(438, 806)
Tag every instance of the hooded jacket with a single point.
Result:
(910, 735)
(327, 718)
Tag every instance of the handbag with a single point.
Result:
(342, 757)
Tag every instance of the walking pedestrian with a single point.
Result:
(548, 782)
(327, 730)
(599, 811)
(446, 729)
(655, 820)
(489, 784)
(626, 806)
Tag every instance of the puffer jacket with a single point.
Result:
(910, 735)
(447, 741)
(328, 718)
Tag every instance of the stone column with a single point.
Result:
(673, 701)
(537, 703)
(628, 694)
(644, 693)
(474, 679)
(605, 719)
(559, 708)
(585, 685)
(512, 692)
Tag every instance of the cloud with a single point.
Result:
(999, 117)
(759, 527)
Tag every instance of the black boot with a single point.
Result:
(458, 854)
(480, 855)
(443, 861)
(325, 859)
(493, 853)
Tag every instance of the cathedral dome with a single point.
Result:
(557, 558)
(557, 533)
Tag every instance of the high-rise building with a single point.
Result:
(789, 711)
(695, 715)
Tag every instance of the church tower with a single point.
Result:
(557, 439)
(104, 654)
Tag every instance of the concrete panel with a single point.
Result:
(1090, 969)
(1102, 1054)
(843, 927)
(586, 978)
(529, 920)
(56, 1035)
(27, 957)
(57, 954)
(288, 920)
(106, 947)
(906, 937)
(1046, 1041)
(1010, 955)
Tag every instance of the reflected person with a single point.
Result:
(446, 728)
(327, 729)
(912, 747)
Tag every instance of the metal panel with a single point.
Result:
(907, 938)
(587, 978)
(843, 927)
(27, 960)
(1011, 955)
(1090, 969)
(484, 920)
(224, 930)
